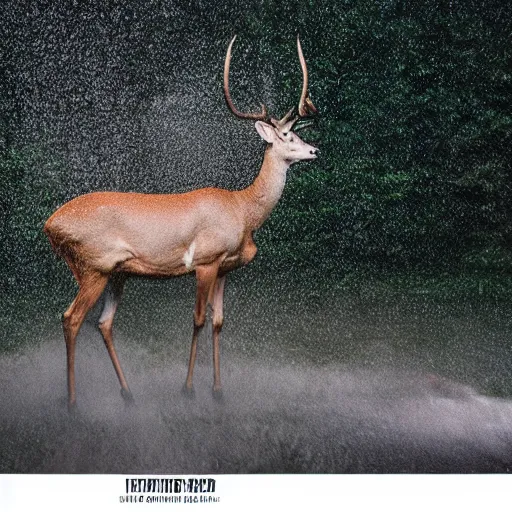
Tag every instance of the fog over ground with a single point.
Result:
(274, 418)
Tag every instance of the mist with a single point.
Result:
(282, 411)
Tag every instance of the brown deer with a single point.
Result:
(105, 237)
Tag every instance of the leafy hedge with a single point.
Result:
(415, 135)
(415, 126)
(30, 189)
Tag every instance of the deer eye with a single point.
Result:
(285, 134)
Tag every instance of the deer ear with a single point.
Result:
(266, 131)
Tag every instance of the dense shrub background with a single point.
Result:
(415, 125)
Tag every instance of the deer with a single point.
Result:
(106, 237)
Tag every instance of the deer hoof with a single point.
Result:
(218, 395)
(188, 392)
(72, 408)
(127, 396)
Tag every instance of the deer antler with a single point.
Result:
(306, 106)
(286, 119)
(261, 116)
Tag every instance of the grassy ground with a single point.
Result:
(405, 373)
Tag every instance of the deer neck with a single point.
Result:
(262, 195)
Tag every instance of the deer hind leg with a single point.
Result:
(113, 293)
(91, 285)
(206, 276)
(218, 319)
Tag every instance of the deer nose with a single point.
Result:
(313, 151)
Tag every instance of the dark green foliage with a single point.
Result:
(29, 192)
(414, 128)
(29, 274)
(415, 137)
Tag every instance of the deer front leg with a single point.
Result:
(218, 319)
(206, 276)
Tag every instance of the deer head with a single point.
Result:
(286, 144)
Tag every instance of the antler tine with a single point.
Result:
(306, 106)
(257, 116)
(285, 119)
